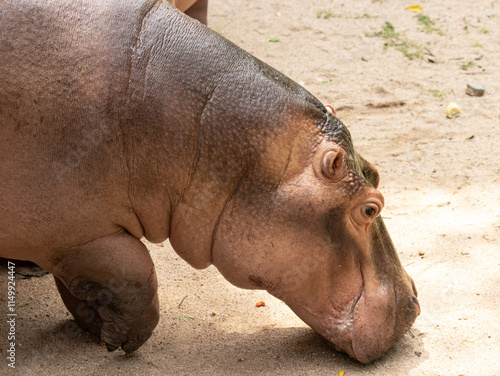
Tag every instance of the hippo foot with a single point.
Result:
(84, 312)
(115, 297)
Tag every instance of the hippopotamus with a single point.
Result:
(123, 120)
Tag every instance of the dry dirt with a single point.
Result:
(440, 179)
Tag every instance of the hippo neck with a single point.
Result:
(199, 111)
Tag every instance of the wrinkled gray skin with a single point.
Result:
(127, 119)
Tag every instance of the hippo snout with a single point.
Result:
(379, 322)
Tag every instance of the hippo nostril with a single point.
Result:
(417, 305)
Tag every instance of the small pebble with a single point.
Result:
(475, 89)
(452, 110)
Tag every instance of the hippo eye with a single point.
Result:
(369, 211)
(365, 212)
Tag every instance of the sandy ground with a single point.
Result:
(440, 179)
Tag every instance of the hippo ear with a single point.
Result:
(330, 109)
(329, 163)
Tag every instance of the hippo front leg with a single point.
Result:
(110, 283)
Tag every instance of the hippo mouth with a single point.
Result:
(368, 327)
(342, 326)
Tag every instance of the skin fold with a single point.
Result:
(128, 119)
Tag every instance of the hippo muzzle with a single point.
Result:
(382, 307)
(386, 307)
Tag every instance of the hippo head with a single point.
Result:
(305, 225)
